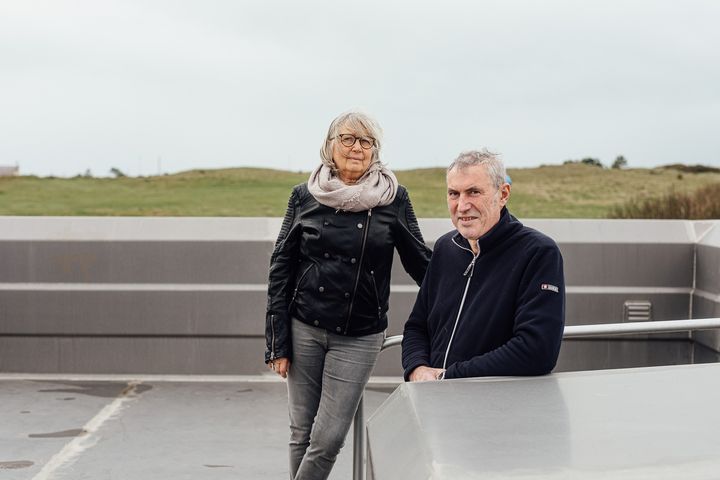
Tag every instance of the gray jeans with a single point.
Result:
(327, 377)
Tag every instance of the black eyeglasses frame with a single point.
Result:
(355, 138)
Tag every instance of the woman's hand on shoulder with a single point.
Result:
(281, 366)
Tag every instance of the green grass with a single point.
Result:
(582, 191)
(562, 191)
(703, 203)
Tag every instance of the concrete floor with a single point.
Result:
(151, 427)
(116, 427)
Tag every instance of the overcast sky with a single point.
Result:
(149, 85)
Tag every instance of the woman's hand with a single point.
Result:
(281, 366)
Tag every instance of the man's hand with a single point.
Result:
(281, 366)
(425, 374)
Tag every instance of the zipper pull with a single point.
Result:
(470, 267)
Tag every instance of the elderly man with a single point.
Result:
(493, 298)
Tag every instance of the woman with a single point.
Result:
(329, 287)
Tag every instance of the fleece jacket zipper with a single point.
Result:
(468, 273)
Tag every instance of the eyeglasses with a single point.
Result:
(349, 140)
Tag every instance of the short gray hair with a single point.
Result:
(492, 161)
(359, 123)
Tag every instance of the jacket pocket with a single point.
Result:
(377, 295)
(297, 287)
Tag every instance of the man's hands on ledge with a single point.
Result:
(426, 374)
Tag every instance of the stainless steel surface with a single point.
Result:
(706, 296)
(392, 341)
(131, 355)
(579, 331)
(637, 310)
(658, 423)
(182, 295)
(359, 442)
(638, 263)
(582, 331)
(359, 447)
(77, 293)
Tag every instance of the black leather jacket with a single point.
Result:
(331, 269)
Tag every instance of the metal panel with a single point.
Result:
(199, 276)
(139, 262)
(628, 264)
(637, 311)
(133, 355)
(605, 307)
(615, 231)
(708, 269)
(599, 354)
(707, 308)
(132, 312)
(658, 423)
(172, 229)
(706, 301)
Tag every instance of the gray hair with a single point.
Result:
(493, 164)
(359, 123)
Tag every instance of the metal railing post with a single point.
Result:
(573, 331)
(359, 443)
(359, 440)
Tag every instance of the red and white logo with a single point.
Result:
(552, 288)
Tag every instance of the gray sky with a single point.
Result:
(143, 85)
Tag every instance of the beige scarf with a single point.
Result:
(377, 187)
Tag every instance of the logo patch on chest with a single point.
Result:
(547, 286)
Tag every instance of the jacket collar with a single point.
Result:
(503, 229)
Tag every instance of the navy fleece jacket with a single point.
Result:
(513, 315)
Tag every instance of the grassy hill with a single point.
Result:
(560, 191)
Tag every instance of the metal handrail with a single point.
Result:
(359, 443)
(572, 331)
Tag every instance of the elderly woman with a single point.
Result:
(329, 287)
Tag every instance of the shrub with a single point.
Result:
(691, 168)
(117, 172)
(619, 162)
(594, 162)
(704, 203)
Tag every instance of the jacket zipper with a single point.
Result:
(377, 296)
(272, 343)
(297, 286)
(469, 270)
(357, 277)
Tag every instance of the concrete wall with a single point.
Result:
(187, 295)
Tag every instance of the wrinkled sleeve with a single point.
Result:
(409, 242)
(283, 263)
(538, 325)
(416, 334)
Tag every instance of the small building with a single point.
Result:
(8, 171)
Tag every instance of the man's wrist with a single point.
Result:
(440, 375)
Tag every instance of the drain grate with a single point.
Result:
(637, 311)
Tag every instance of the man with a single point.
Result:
(493, 298)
